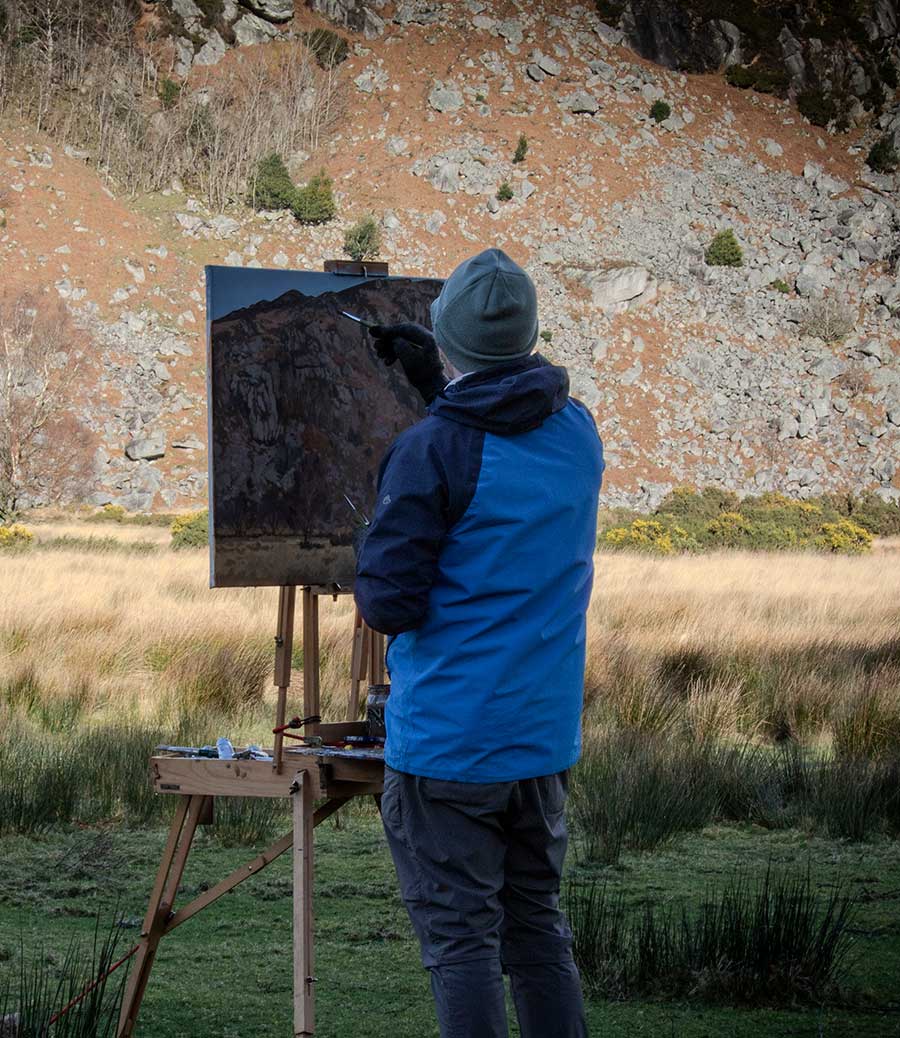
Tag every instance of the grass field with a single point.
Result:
(743, 711)
(227, 973)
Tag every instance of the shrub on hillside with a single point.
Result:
(820, 108)
(730, 530)
(739, 76)
(521, 149)
(829, 319)
(272, 186)
(883, 157)
(660, 111)
(328, 48)
(362, 241)
(505, 192)
(190, 530)
(763, 80)
(724, 250)
(771, 81)
(314, 203)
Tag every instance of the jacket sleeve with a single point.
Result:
(421, 493)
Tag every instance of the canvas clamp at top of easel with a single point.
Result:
(301, 411)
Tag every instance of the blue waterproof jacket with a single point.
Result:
(479, 562)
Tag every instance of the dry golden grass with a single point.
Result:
(47, 531)
(724, 643)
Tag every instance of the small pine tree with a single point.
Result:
(505, 192)
(660, 111)
(169, 92)
(362, 241)
(315, 203)
(883, 157)
(272, 185)
(724, 251)
(521, 149)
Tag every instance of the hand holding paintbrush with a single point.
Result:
(415, 347)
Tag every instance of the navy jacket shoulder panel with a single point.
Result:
(426, 483)
(507, 399)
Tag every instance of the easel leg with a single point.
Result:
(181, 833)
(359, 662)
(284, 649)
(311, 658)
(304, 993)
(376, 658)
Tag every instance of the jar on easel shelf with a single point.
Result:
(376, 701)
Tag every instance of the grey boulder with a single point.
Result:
(147, 448)
(274, 10)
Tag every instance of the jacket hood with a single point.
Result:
(506, 399)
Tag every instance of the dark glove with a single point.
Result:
(415, 348)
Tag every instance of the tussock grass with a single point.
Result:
(36, 988)
(775, 942)
(634, 791)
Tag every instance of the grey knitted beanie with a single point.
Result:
(486, 313)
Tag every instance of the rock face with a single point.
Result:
(351, 14)
(673, 35)
(202, 36)
(251, 29)
(807, 46)
(274, 10)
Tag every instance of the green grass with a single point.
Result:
(227, 973)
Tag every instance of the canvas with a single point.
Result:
(301, 411)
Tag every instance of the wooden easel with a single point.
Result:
(305, 776)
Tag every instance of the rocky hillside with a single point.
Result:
(782, 373)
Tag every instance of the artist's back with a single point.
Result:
(480, 563)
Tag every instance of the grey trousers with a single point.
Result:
(479, 869)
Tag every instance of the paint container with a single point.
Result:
(376, 701)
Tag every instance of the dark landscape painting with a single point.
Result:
(301, 411)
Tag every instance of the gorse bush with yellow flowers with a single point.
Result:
(689, 520)
(15, 537)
